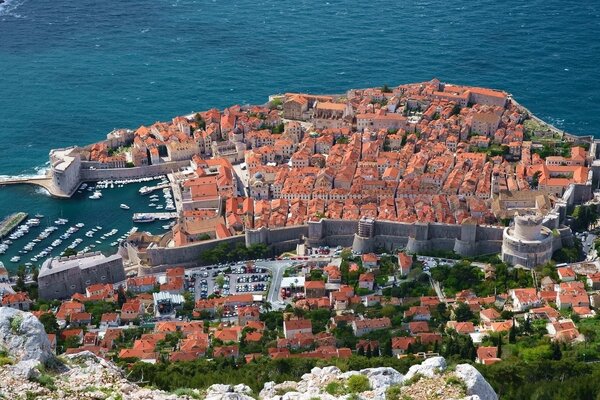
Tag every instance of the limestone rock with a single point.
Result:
(228, 392)
(382, 377)
(22, 335)
(476, 383)
(429, 367)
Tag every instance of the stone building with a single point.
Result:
(527, 243)
(65, 165)
(62, 277)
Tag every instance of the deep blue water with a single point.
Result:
(71, 70)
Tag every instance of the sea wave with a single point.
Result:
(9, 6)
(41, 170)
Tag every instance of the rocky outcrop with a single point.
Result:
(83, 376)
(23, 337)
(429, 380)
(476, 383)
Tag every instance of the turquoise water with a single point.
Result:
(72, 70)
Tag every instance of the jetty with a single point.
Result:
(150, 189)
(42, 181)
(11, 222)
(148, 217)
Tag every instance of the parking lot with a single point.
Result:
(238, 281)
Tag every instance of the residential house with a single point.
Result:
(293, 327)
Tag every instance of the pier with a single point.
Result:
(162, 216)
(43, 181)
(150, 189)
(11, 222)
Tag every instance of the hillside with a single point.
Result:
(30, 371)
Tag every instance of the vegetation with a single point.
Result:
(203, 373)
(223, 252)
(584, 216)
(543, 379)
(463, 275)
(49, 321)
(358, 384)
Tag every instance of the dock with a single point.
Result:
(150, 189)
(161, 216)
(11, 222)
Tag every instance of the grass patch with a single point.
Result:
(393, 393)
(456, 381)
(5, 361)
(194, 394)
(416, 378)
(46, 381)
(283, 390)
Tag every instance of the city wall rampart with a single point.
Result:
(97, 174)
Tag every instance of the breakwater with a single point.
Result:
(11, 222)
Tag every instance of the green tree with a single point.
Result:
(220, 280)
(21, 274)
(512, 334)
(49, 321)
(556, 351)
(463, 313)
(69, 252)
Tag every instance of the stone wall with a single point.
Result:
(185, 255)
(98, 174)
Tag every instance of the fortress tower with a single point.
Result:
(527, 243)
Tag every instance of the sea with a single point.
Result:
(72, 70)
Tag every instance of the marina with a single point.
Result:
(80, 223)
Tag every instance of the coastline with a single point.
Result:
(112, 174)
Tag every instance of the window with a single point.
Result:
(72, 286)
(87, 283)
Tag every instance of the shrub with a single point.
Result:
(358, 384)
(393, 393)
(15, 323)
(335, 388)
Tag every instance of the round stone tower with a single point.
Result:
(527, 243)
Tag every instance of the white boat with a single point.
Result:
(96, 196)
(98, 227)
(145, 190)
(80, 224)
(124, 206)
(152, 205)
(15, 259)
(39, 215)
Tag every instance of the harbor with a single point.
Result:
(98, 217)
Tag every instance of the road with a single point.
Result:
(277, 269)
